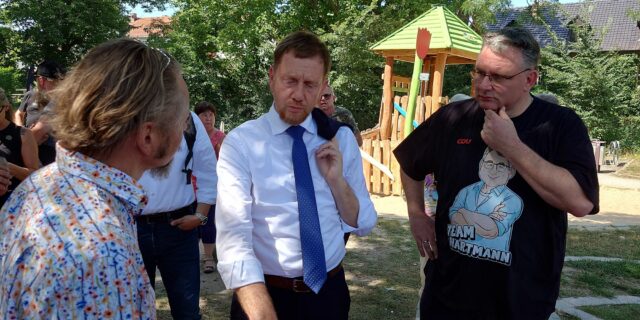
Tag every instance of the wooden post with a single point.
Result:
(385, 125)
(376, 179)
(395, 120)
(366, 166)
(395, 169)
(386, 160)
(438, 77)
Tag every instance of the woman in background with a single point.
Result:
(17, 146)
(206, 111)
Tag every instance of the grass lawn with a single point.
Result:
(615, 312)
(632, 169)
(382, 273)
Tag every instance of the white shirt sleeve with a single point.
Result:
(204, 164)
(353, 173)
(238, 265)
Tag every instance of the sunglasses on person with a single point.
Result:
(326, 96)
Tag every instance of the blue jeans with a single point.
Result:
(176, 254)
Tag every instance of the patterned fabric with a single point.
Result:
(345, 116)
(68, 245)
(313, 258)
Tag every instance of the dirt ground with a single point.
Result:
(619, 205)
(619, 208)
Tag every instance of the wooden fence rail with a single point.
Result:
(382, 150)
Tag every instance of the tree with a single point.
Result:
(226, 47)
(602, 87)
(62, 30)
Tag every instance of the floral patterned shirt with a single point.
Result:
(68, 245)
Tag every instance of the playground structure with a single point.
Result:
(407, 102)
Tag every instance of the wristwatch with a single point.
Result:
(203, 218)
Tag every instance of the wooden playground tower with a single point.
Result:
(451, 42)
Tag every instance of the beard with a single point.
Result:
(162, 171)
(292, 119)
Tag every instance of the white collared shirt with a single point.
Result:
(257, 223)
(173, 192)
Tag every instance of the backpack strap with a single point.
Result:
(190, 138)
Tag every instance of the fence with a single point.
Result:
(381, 151)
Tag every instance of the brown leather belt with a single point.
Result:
(295, 284)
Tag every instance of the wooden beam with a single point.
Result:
(438, 77)
(385, 125)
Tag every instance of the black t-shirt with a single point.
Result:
(500, 246)
(11, 149)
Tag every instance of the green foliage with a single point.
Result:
(59, 29)
(10, 79)
(602, 87)
(226, 47)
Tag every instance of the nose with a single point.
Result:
(483, 83)
(298, 93)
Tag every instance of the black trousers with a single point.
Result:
(332, 302)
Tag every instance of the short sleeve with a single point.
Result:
(413, 153)
(575, 154)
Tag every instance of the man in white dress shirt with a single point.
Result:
(167, 228)
(257, 215)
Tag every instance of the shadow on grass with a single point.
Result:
(381, 271)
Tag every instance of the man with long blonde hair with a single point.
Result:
(68, 244)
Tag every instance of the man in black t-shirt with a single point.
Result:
(509, 167)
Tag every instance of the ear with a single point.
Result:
(271, 74)
(532, 79)
(146, 137)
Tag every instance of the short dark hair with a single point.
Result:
(515, 37)
(204, 106)
(304, 45)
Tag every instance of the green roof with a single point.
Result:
(447, 32)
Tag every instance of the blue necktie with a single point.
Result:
(314, 266)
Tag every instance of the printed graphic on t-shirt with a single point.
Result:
(483, 213)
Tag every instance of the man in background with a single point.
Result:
(36, 107)
(326, 103)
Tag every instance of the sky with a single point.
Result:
(142, 14)
(171, 10)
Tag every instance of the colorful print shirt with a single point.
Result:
(68, 245)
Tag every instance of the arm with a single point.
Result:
(484, 225)
(18, 117)
(41, 131)
(354, 177)
(237, 263)
(554, 184)
(256, 302)
(29, 154)
(204, 167)
(329, 160)
(422, 227)
(5, 180)
(358, 137)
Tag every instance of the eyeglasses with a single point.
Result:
(495, 79)
(500, 167)
(166, 56)
(326, 96)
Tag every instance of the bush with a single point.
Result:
(630, 133)
(11, 79)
